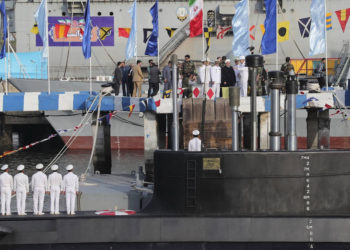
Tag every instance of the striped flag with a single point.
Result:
(196, 17)
(343, 17)
(329, 21)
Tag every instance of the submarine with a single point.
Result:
(237, 199)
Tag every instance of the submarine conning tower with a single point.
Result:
(273, 182)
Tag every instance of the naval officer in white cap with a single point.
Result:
(70, 189)
(55, 187)
(6, 185)
(39, 187)
(21, 188)
(195, 144)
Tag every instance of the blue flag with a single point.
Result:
(41, 19)
(240, 27)
(268, 43)
(131, 46)
(87, 32)
(318, 25)
(4, 23)
(152, 45)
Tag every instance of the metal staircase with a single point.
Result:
(342, 68)
(191, 184)
(174, 42)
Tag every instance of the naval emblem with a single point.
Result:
(182, 13)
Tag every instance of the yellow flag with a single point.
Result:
(262, 27)
(35, 29)
(283, 31)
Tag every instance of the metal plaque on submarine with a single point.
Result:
(211, 163)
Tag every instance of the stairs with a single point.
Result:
(342, 68)
(173, 43)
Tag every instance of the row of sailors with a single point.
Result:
(41, 184)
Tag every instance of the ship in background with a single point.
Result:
(112, 23)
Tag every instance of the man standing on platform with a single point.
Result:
(117, 80)
(287, 68)
(204, 75)
(243, 76)
(235, 68)
(321, 73)
(21, 188)
(125, 70)
(137, 78)
(55, 187)
(188, 70)
(228, 77)
(153, 80)
(195, 144)
(167, 76)
(6, 185)
(39, 187)
(70, 188)
(216, 78)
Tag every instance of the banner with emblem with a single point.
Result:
(64, 32)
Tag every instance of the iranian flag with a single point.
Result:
(196, 17)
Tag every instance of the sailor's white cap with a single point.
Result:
(227, 60)
(54, 167)
(195, 132)
(4, 167)
(242, 58)
(206, 59)
(39, 166)
(69, 167)
(20, 167)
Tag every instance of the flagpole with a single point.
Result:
(8, 49)
(203, 31)
(136, 29)
(276, 34)
(7, 61)
(48, 48)
(158, 34)
(325, 31)
(90, 76)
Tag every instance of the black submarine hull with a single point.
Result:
(215, 200)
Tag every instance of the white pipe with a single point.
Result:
(277, 35)
(48, 49)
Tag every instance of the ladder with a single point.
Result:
(174, 42)
(342, 68)
(191, 184)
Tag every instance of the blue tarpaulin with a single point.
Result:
(30, 65)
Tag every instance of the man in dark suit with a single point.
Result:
(117, 80)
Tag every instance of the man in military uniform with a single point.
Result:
(188, 70)
(287, 68)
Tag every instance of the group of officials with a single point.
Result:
(217, 76)
(54, 185)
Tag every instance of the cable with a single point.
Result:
(74, 136)
(95, 137)
(121, 119)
